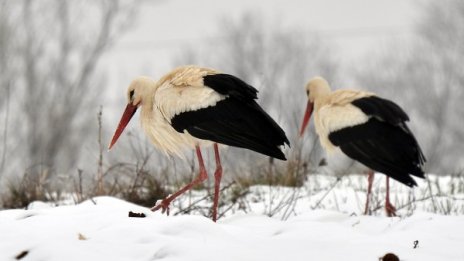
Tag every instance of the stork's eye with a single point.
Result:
(131, 95)
(307, 92)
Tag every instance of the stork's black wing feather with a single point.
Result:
(381, 109)
(384, 143)
(230, 85)
(236, 121)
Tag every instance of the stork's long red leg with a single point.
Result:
(389, 208)
(217, 181)
(201, 177)
(370, 179)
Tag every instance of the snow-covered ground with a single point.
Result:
(100, 229)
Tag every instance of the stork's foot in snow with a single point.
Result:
(164, 206)
(390, 209)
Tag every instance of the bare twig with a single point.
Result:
(78, 187)
(100, 188)
(327, 192)
(192, 205)
(5, 130)
(429, 186)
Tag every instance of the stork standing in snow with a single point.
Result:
(192, 107)
(368, 129)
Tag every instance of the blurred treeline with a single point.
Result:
(51, 80)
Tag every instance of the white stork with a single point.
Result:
(368, 129)
(191, 107)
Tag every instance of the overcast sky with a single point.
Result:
(162, 28)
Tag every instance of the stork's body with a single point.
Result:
(366, 128)
(193, 107)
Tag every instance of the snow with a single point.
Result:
(100, 229)
(346, 195)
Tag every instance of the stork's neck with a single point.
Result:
(147, 104)
(321, 99)
(148, 97)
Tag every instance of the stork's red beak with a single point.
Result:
(126, 117)
(309, 111)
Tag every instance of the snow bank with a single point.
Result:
(101, 230)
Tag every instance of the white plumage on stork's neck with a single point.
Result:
(366, 128)
(192, 107)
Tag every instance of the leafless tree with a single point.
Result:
(425, 76)
(6, 77)
(57, 46)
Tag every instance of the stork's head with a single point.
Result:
(138, 89)
(315, 88)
